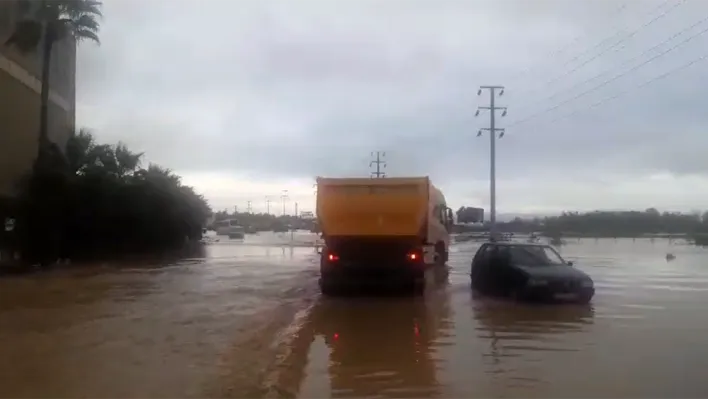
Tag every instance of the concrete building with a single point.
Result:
(20, 88)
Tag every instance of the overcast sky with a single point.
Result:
(245, 99)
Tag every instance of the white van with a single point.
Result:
(229, 227)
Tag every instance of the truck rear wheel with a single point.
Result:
(441, 270)
(419, 287)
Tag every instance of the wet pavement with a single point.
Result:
(247, 320)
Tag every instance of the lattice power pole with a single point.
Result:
(284, 197)
(493, 130)
(380, 164)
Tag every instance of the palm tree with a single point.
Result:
(42, 23)
(85, 157)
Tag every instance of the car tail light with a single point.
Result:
(414, 256)
(332, 257)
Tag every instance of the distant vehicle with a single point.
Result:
(230, 228)
(527, 271)
(390, 231)
(280, 228)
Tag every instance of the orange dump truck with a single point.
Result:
(391, 230)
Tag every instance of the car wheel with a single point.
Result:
(584, 299)
(442, 272)
(477, 280)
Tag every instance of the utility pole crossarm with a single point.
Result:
(379, 162)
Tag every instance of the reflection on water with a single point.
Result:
(386, 353)
(511, 326)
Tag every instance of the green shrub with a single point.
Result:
(98, 202)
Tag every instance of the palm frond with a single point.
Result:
(128, 161)
(78, 148)
(77, 18)
(83, 34)
(75, 9)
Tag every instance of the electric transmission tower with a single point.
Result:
(284, 197)
(492, 130)
(380, 164)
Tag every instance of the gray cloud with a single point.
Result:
(275, 89)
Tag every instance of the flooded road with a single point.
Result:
(199, 327)
(247, 320)
(643, 336)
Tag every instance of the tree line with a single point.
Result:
(608, 224)
(254, 222)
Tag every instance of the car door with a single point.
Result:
(506, 275)
(480, 265)
(499, 270)
(489, 275)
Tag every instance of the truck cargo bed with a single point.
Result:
(372, 207)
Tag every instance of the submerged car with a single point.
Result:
(528, 271)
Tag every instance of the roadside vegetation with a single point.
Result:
(650, 222)
(98, 202)
(255, 222)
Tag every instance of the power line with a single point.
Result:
(623, 39)
(379, 162)
(627, 62)
(554, 53)
(618, 32)
(625, 92)
(492, 129)
(537, 114)
(617, 43)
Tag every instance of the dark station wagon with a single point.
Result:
(527, 271)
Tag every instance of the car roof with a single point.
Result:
(515, 244)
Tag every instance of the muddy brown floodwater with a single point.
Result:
(247, 320)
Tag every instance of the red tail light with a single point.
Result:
(332, 257)
(414, 256)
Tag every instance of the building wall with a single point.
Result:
(20, 88)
